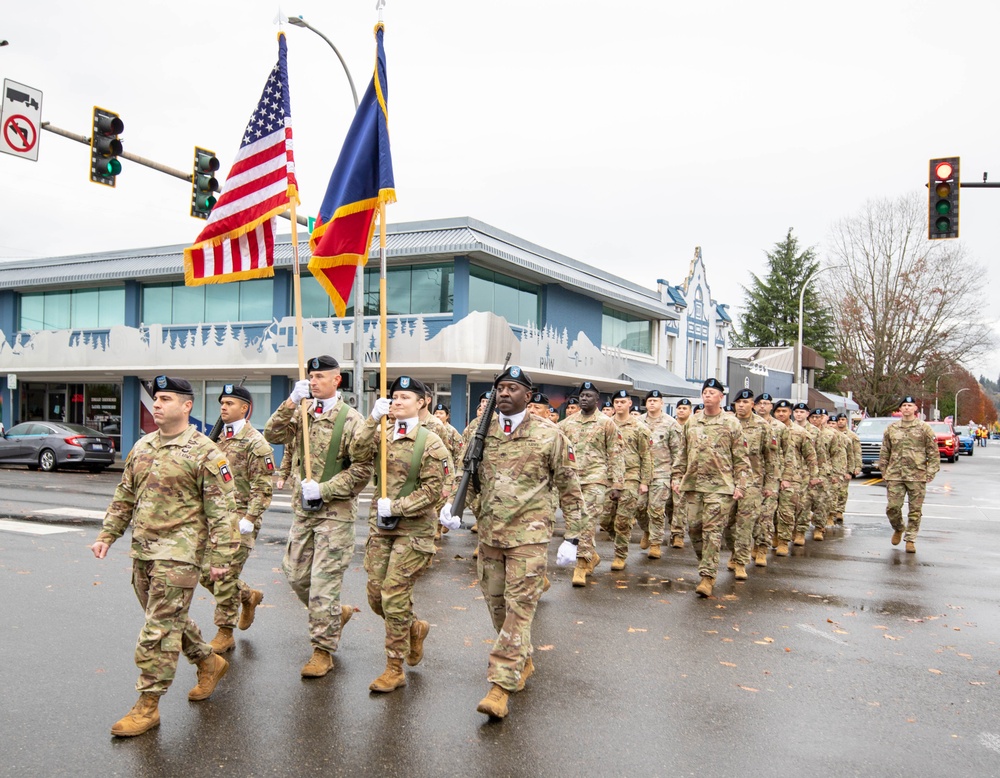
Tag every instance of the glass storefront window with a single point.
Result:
(92, 308)
(625, 331)
(514, 299)
(410, 290)
(213, 303)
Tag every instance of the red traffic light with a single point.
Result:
(943, 171)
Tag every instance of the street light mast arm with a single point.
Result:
(298, 21)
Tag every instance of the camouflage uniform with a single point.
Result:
(836, 466)
(320, 543)
(395, 558)
(799, 467)
(519, 471)
(813, 497)
(712, 464)
(637, 450)
(251, 462)
(909, 460)
(472, 496)
(852, 447)
(665, 436)
(454, 444)
(178, 495)
(600, 465)
(764, 529)
(761, 449)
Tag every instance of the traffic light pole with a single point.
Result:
(140, 160)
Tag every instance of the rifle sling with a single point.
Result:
(334, 464)
(418, 453)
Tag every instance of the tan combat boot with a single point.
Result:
(644, 542)
(346, 611)
(418, 633)
(654, 551)
(705, 587)
(391, 679)
(546, 583)
(760, 558)
(318, 665)
(618, 563)
(475, 527)
(731, 564)
(223, 640)
(782, 549)
(799, 539)
(595, 560)
(494, 704)
(210, 672)
(250, 608)
(580, 573)
(145, 715)
(829, 520)
(677, 541)
(817, 534)
(529, 668)
(897, 536)
(740, 572)
(911, 547)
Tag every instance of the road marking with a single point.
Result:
(813, 631)
(31, 528)
(72, 513)
(990, 740)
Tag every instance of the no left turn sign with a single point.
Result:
(20, 120)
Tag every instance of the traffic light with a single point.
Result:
(203, 183)
(942, 220)
(105, 147)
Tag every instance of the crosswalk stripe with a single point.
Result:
(31, 528)
(72, 513)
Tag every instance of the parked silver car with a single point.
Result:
(52, 444)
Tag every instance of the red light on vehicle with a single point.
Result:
(75, 440)
(944, 171)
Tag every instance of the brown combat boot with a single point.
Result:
(911, 547)
(677, 541)
(223, 640)
(145, 715)
(654, 551)
(250, 608)
(760, 558)
(644, 542)
(818, 534)
(494, 704)
(782, 549)
(731, 564)
(829, 521)
(705, 587)
(595, 560)
(529, 668)
(618, 563)
(546, 583)
(740, 572)
(418, 633)
(897, 536)
(318, 665)
(474, 528)
(391, 679)
(799, 539)
(210, 672)
(580, 573)
(346, 611)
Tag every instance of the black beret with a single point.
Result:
(165, 383)
(607, 404)
(729, 408)
(764, 396)
(822, 412)
(699, 407)
(442, 407)
(320, 363)
(574, 400)
(782, 404)
(655, 393)
(239, 392)
(743, 394)
(800, 407)
(515, 374)
(620, 394)
(538, 398)
(406, 383)
(908, 399)
(589, 387)
(713, 383)
(683, 401)
(484, 396)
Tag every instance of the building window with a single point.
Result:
(78, 309)
(699, 304)
(515, 300)
(239, 301)
(625, 331)
(671, 351)
(718, 362)
(409, 290)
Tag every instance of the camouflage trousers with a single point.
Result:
(763, 528)
(623, 515)
(608, 514)
(230, 592)
(841, 498)
(678, 519)
(740, 526)
(654, 507)
(915, 491)
(593, 508)
(789, 507)
(316, 558)
(165, 589)
(821, 502)
(511, 580)
(811, 495)
(394, 563)
(707, 513)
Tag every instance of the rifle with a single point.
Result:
(217, 429)
(474, 453)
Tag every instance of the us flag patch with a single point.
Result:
(224, 470)
(572, 455)
(269, 464)
(447, 471)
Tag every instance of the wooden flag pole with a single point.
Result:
(383, 336)
(297, 291)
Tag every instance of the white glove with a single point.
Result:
(447, 520)
(381, 408)
(310, 490)
(384, 507)
(566, 555)
(300, 391)
(246, 526)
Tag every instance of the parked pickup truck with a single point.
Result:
(871, 431)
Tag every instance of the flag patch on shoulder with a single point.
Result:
(572, 454)
(269, 464)
(227, 476)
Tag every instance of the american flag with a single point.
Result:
(238, 240)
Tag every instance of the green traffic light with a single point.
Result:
(113, 167)
(943, 224)
(943, 207)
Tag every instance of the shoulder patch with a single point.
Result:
(269, 464)
(571, 453)
(223, 466)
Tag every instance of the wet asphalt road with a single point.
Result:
(848, 658)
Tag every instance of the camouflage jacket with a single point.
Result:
(854, 462)
(454, 444)
(418, 508)
(713, 456)
(762, 451)
(779, 443)
(519, 473)
(598, 448)
(822, 457)
(252, 463)
(800, 456)
(909, 452)
(340, 493)
(178, 495)
(833, 448)
(665, 436)
(637, 448)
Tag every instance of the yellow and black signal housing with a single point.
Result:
(942, 198)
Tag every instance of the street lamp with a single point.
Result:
(937, 414)
(798, 349)
(965, 389)
(359, 274)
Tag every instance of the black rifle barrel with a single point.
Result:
(217, 429)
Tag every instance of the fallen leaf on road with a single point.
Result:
(711, 632)
(546, 648)
(971, 683)
(456, 607)
(880, 626)
(966, 656)
(932, 670)
(635, 629)
(747, 688)
(841, 632)
(890, 637)
(852, 613)
(727, 664)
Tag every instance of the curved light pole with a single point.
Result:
(798, 348)
(359, 275)
(965, 389)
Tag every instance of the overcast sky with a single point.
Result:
(622, 135)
